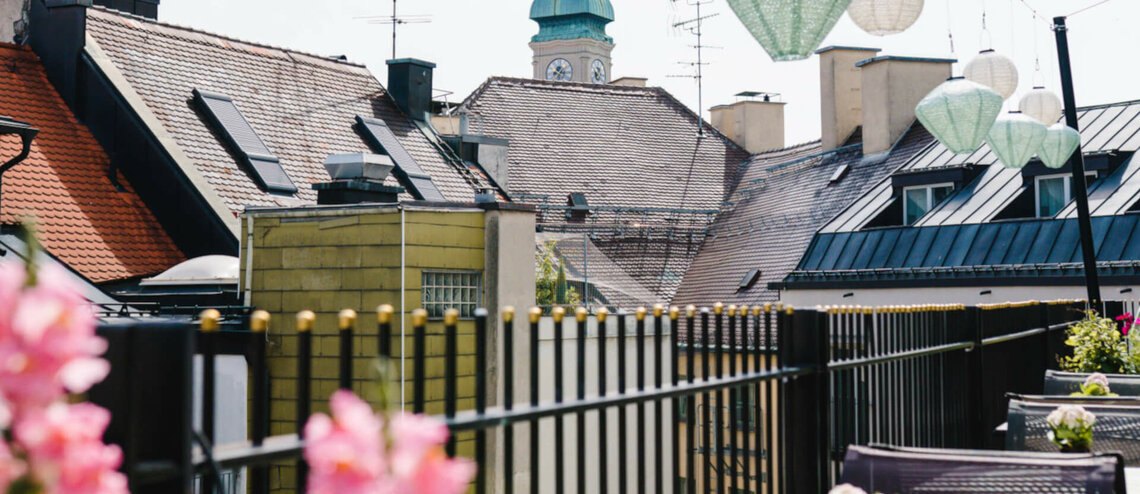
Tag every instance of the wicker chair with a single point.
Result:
(1117, 424)
(1063, 383)
(906, 470)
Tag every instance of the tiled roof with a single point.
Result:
(303, 106)
(781, 200)
(652, 184)
(82, 220)
(621, 146)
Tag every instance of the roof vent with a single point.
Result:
(578, 207)
(357, 178)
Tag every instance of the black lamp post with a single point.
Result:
(1077, 163)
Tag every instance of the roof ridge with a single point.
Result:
(291, 51)
(14, 46)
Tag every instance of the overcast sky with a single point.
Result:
(471, 40)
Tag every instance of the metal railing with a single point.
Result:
(781, 393)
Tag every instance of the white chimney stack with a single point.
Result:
(841, 96)
(755, 121)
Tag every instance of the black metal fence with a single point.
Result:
(770, 408)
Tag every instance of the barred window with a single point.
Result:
(444, 290)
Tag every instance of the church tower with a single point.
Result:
(571, 44)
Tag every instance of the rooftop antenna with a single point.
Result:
(395, 20)
(695, 26)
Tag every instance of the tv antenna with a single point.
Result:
(695, 27)
(396, 20)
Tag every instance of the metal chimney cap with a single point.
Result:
(365, 166)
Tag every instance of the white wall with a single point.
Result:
(10, 12)
(950, 295)
(569, 388)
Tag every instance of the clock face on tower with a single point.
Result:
(559, 70)
(598, 72)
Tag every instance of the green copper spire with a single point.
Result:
(572, 19)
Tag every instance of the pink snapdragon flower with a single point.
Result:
(47, 339)
(64, 446)
(347, 453)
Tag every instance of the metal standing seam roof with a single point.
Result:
(302, 105)
(780, 201)
(1114, 127)
(100, 232)
(1007, 250)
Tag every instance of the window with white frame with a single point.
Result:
(444, 290)
(1053, 193)
(917, 201)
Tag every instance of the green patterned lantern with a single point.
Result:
(789, 29)
(959, 113)
(1058, 146)
(1015, 138)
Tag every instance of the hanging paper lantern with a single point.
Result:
(1058, 146)
(789, 29)
(993, 70)
(1042, 104)
(959, 113)
(883, 17)
(1015, 138)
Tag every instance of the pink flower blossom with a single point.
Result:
(11, 468)
(65, 448)
(344, 452)
(347, 454)
(47, 339)
(1127, 321)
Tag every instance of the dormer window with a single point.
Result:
(917, 201)
(1053, 192)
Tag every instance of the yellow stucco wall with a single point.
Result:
(325, 260)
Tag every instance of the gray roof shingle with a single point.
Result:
(782, 198)
(302, 105)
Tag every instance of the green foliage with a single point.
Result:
(1093, 389)
(1098, 346)
(550, 280)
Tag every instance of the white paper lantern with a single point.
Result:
(959, 113)
(883, 17)
(789, 29)
(1042, 104)
(994, 70)
(1058, 146)
(1015, 138)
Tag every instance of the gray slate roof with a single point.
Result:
(652, 183)
(781, 200)
(621, 146)
(301, 105)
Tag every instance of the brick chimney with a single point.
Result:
(410, 84)
(755, 121)
(841, 96)
(892, 86)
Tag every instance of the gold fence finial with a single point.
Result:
(346, 319)
(639, 314)
(508, 313)
(209, 318)
(558, 313)
(419, 317)
(305, 320)
(690, 310)
(602, 313)
(718, 308)
(732, 310)
(259, 321)
(384, 314)
(581, 314)
(534, 314)
(658, 309)
(451, 317)
(674, 312)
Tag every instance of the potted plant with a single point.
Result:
(1072, 428)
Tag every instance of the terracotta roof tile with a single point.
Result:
(82, 220)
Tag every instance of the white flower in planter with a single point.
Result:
(846, 489)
